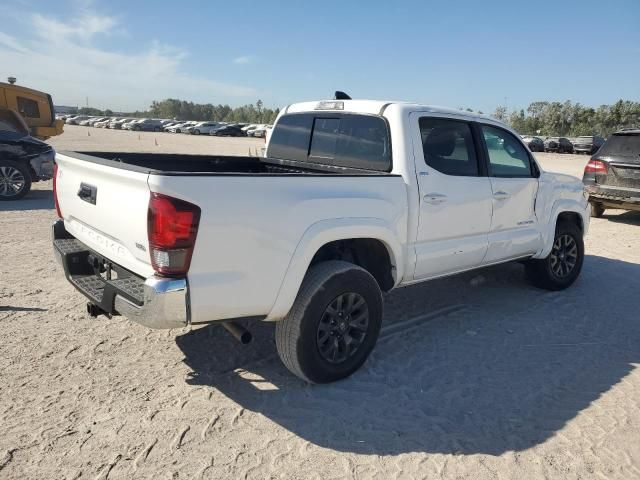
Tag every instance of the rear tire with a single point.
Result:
(15, 180)
(563, 264)
(333, 324)
(597, 210)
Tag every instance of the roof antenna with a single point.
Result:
(341, 96)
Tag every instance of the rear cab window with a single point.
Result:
(337, 139)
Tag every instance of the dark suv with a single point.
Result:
(535, 144)
(23, 158)
(558, 144)
(588, 144)
(612, 176)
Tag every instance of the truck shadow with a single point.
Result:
(498, 367)
(34, 200)
(629, 218)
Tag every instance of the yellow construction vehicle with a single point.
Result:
(35, 107)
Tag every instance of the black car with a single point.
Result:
(588, 144)
(23, 158)
(558, 144)
(612, 176)
(535, 144)
(228, 131)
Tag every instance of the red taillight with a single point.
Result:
(596, 166)
(55, 190)
(172, 229)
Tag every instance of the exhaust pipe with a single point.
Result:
(238, 332)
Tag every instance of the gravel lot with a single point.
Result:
(476, 376)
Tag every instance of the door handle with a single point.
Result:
(435, 198)
(501, 195)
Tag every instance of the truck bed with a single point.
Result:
(184, 164)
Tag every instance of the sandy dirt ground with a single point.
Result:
(478, 376)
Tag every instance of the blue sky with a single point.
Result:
(464, 53)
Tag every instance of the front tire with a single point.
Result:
(15, 180)
(563, 264)
(196, 132)
(333, 324)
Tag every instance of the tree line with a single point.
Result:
(182, 110)
(539, 118)
(571, 119)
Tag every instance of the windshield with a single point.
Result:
(622, 145)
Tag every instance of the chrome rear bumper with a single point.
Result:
(155, 302)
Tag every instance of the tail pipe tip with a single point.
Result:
(238, 332)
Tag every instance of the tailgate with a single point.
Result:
(623, 174)
(105, 207)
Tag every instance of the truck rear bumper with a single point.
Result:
(156, 302)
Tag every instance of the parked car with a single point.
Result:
(185, 128)
(535, 144)
(588, 144)
(353, 198)
(250, 131)
(202, 128)
(23, 158)
(180, 127)
(119, 123)
(260, 132)
(612, 176)
(558, 144)
(144, 125)
(170, 124)
(228, 131)
(93, 121)
(103, 123)
(77, 119)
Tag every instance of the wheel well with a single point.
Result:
(368, 253)
(571, 217)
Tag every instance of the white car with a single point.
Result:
(103, 123)
(260, 132)
(250, 131)
(77, 119)
(180, 127)
(353, 198)
(202, 128)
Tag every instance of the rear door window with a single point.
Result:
(342, 140)
(448, 147)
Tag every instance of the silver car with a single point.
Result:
(202, 128)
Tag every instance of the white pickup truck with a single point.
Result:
(353, 198)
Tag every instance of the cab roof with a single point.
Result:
(377, 107)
